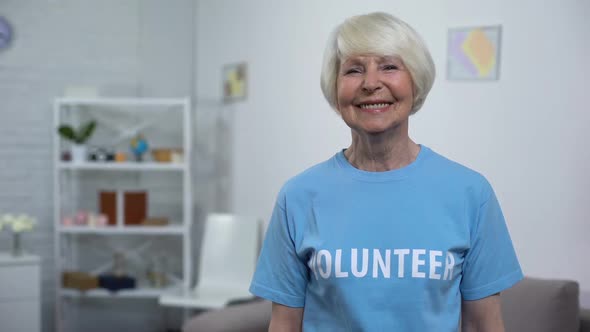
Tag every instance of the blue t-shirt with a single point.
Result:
(385, 251)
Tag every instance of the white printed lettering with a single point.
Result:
(431, 264)
(400, 260)
(378, 262)
(354, 263)
(449, 265)
(434, 264)
(338, 265)
(417, 262)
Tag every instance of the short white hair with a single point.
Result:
(380, 34)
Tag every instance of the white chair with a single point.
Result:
(227, 261)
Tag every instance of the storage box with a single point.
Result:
(135, 203)
(79, 280)
(108, 206)
(134, 206)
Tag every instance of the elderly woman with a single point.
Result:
(387, 235)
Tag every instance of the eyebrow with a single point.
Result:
(354, 60)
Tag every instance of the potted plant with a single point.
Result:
(78, 137)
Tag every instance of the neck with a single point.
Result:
(379, 153)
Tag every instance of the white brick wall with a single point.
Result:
(113, 45)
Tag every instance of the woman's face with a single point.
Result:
(374, 93)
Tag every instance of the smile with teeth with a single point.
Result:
(374, 106)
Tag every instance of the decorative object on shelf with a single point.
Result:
(78, 137)
(155, 272)
(139, 147)
(81, 218)
(474, 53)
(154, 221)
(108, 206)
(118, 278)
(119, 264)
(120, 157)
(79, 280)
(177, 156)
(18, 224)
(66, 156)
(234, 82)
(97, 220)
(85, 218)
(115, 283)
(163, 155)
(135, 207)
(101, 154)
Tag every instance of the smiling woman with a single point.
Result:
(378, 35)
(374, 94)
(387, 235)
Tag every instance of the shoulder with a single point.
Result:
(448, 173)
(308, 182)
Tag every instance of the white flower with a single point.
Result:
(19, 224)
(7, 218)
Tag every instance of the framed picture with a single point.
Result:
(473, 53)
(234, 82)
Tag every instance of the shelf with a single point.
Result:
(123, 166)
(123, 102)
(140, 293)
(167, 121)
(129, 230)
(8, 259)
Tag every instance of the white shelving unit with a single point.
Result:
(65, 236)
(123, 166)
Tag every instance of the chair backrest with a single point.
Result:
(229, 251)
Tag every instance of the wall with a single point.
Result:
(123, 48)
(525, 132)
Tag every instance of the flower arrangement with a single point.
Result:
(20, 223)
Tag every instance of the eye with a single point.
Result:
(352, 70)
(390, 67)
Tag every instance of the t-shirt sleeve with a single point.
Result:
(490, 265)
(280, 276)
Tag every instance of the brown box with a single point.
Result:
(108, 206)
(79, 280)
(155, 221)
(135, 203)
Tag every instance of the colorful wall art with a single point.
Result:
(474, 53)
(234, 82)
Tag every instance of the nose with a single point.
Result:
(372, 81)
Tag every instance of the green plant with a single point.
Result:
(79, 136)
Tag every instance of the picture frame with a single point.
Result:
(235, 82)
(473, 53)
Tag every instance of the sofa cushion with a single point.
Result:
(538, 305)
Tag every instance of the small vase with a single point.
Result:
(17, 245)
(78, 153)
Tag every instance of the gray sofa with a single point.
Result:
(533, 305)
